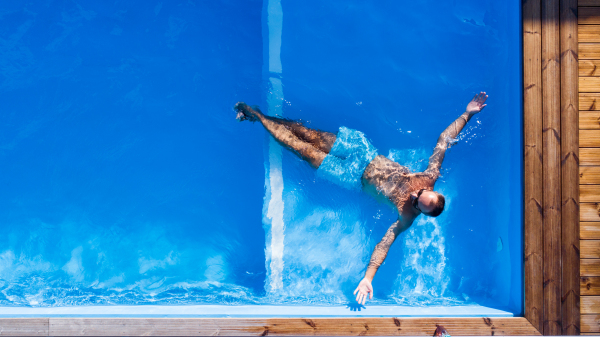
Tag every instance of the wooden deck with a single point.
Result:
(589, 169)
(551, 165)
(262, 326)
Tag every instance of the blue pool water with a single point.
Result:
(127, 181)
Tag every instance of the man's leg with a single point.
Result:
(322, 140)
(311, 145)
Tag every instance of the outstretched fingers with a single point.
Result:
(361, 298)
(482, 97)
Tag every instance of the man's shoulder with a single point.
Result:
(405, 221)
(406, 216)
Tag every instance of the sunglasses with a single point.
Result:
(415, 202)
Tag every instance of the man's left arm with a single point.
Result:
(451, 132)
(365, 288)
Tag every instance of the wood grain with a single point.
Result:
(589, 193)
(532, 127)
(589, 230)
(589, 84)
(589, 138)
(551, 159)
(589, 175)
(589, 285)
(590, 267)
(589, 3)
(589, 33)
(589, 157)
(590, 305)
(590, 249)
(589, 16)
(590, 323)
(532, 133)
(589, 120)
(589, 51)
(569, 168)
(590, 212)
(589, 102)
(287, 326)
(589, 67)
(24, 326)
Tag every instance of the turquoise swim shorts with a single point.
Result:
(348, 159)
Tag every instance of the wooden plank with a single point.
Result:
(589, 120)
(589, 33)
(532, 127)
(589, 84)
(589, 68)
(589, 102)
(589, 285)
(590, 249)
(590, 304)
(569, 168)
(551, 159)
(590, 267)
(24, 326)
(589, 51)
(589, 230)
(589, 157)
(589, 193)
(589, 16)
(590, 323)
(356, 326)
(589, 138)
(589, 175)
(589, 3)
(590, 212)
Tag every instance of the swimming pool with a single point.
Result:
(127, 180)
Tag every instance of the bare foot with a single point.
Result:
(245, 112)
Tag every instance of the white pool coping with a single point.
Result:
(252, 311)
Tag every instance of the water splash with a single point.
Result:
(424, 275)
(324, 250)
(414, 159)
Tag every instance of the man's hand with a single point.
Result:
(364, 289)
(477, 103)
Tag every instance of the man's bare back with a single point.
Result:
(396, 182)
(411, 193)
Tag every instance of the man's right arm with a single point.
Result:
(451, 132)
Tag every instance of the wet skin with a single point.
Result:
(382, 177)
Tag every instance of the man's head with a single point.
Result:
(428, 202)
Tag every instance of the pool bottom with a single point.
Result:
(253, 311)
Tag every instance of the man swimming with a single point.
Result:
(348, 159)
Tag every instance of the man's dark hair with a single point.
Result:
(439, 205)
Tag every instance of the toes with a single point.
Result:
(239, 106)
